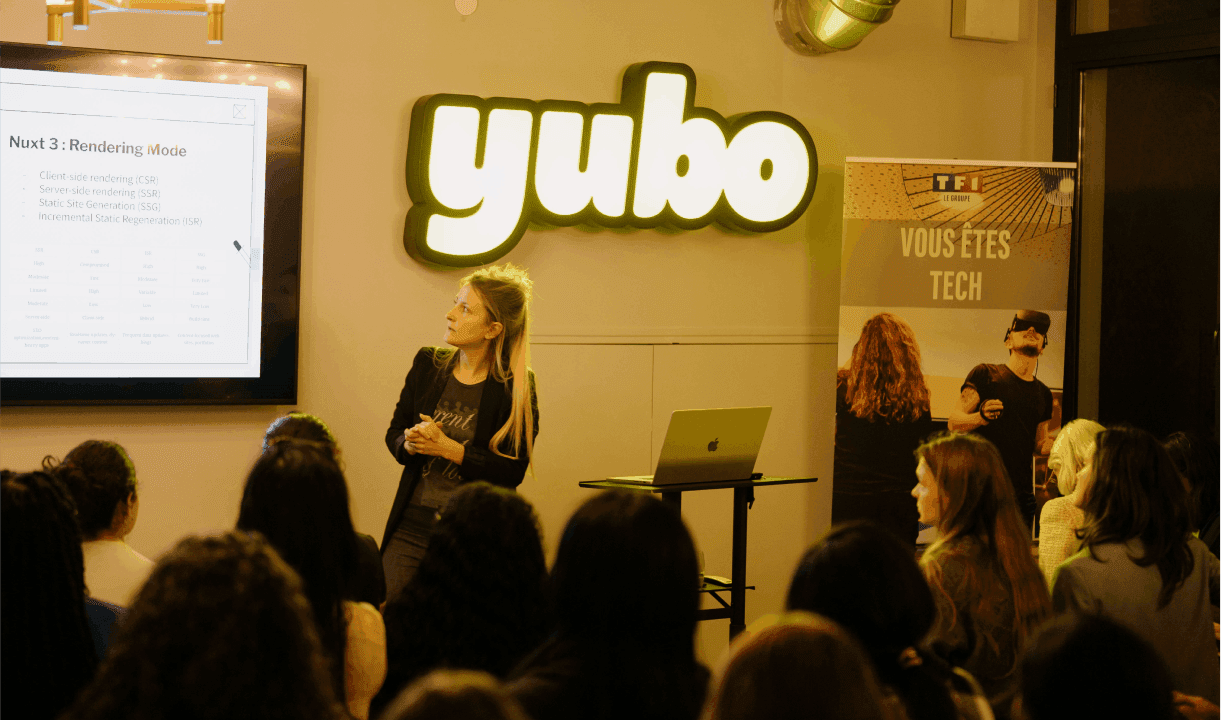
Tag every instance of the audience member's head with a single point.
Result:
(974, 489)
(804, 667)
(102, 480)
(625, 592)
(639, 546)
(1072, 451)
(865, 579)
(1196, 461)
(977, 504)
(368, 581)
(1137, 492)
(1081, 666)
(300, 426)
(455, 695)
(220, 630)
(48, 652)
(296, 496)
(477, 600)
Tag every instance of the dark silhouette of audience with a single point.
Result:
(220, 630)
(864, 578)
(804, 667)
(624, 589)
(301, 426)
(1140, 565)
(296, 496)
(278, 618)
(1196, 461)
(988, 590)
(368, 580)
(477, 600)
(48, 650)
(1081, 666)
(455, 695)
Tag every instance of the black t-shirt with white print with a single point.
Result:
(456, 413)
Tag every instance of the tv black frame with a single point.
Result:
(282, 224)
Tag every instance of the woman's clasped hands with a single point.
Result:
(427, 438)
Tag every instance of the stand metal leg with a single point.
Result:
(737, 591)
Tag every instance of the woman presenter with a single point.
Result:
(464, 414)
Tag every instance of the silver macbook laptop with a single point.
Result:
(708, 446)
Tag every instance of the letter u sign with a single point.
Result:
(478, 171)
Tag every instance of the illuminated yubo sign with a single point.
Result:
(478, 171)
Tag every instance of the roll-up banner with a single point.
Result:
(954, 279)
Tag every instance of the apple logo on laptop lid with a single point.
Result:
(712, 445)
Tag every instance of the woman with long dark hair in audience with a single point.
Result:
(297, 497)
(804, 666)
(368, 581)
(1087, 666)
(102, 479)
(1196, 461)
(867, 580)
(1140, 565)
(455, 695)
(477, 600)
(48, 650)
(464, 414)
(989, 592)
(881, 416)
(1071, 460)
(220, 630)
(625, 592)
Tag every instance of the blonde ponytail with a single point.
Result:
(521, 419)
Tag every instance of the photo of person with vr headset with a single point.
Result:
(1009, 406)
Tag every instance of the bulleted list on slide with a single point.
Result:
(131, 226)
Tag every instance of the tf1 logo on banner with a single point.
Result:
(479, 170)
(959, 191)
(945, 182)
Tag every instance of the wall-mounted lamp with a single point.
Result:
(80, 10)
(817, 27)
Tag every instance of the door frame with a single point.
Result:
(1074, 55)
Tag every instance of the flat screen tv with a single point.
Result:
(150, 228)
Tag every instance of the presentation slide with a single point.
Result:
(131, 226)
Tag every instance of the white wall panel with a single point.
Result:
(594, 422)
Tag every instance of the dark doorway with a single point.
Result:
(1138, 108)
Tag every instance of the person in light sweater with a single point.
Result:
(102, 479)
(1071, 460)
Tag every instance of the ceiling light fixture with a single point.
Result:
(80, 11)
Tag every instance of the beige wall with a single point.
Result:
(753, 316)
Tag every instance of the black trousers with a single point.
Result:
(402, 555)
